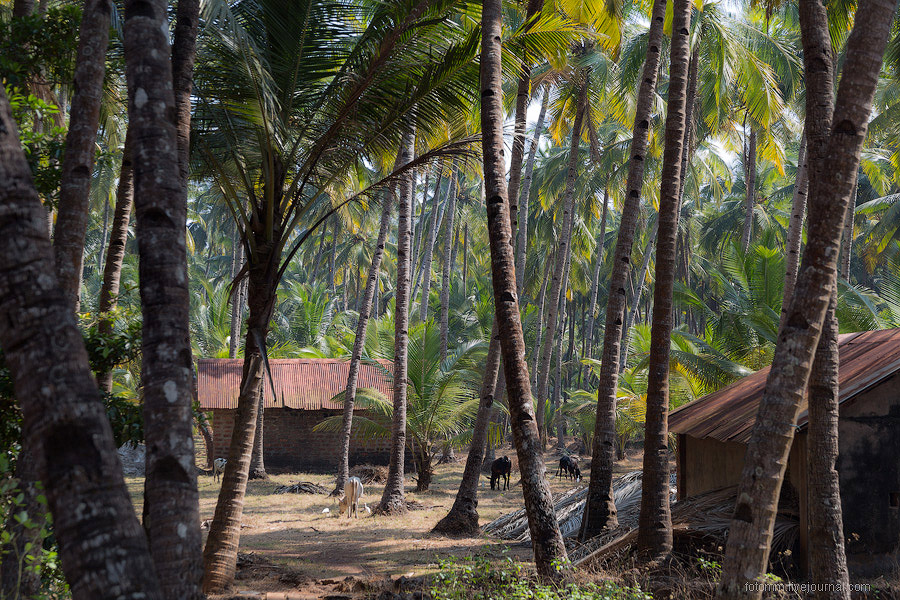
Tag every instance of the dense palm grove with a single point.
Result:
(557, 219)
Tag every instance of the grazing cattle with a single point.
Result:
(568, 467)
(577, 474)
(218, 468)
(500, 469)
(353, 491)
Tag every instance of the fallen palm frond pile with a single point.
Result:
(304, 487)
(708, 515)
(370, 473)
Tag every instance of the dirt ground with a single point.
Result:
(290, 544)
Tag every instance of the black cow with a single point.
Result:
(567, 467)
(577, 474)
(500, 469)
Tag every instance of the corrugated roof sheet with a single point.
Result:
(729, 414)
(299, 383)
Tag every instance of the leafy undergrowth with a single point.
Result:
(479, 578)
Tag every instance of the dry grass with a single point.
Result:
(291, 529)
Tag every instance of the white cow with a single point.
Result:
(218, 468)
(353, 491)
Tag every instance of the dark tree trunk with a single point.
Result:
(847, 236)
(392, 500)
(655, 525)
(81, 143)
(445, 275)
(542, 309)
(600, 510)
(257, 459)
(237, 294)
(750, 198)
(562, 256)
(115, 252)
(387, 204)
(102, 547)
(754, 518)
(638, 294)
(588, 332)
(184, 51)
(795, 229)
(522, 229)
(170, 488)
(549, 550)
(428, 251)
(465, 273)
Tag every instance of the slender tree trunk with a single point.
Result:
(445, 275)
(655, 525)
(549, 550)
(522, 230)
(750, 199)
(419, 229)
(184, 51)
(81, 140)
(115, 252)
(102, 547)
(847, 236)
(599, 509)
(462, 519)
(562, 256)
(258, 457)
(237, 295)
(170, 488)
(588, 332)
(465, 275)
(220, 553)
(542, 305)
(332, 256)
(387, 204)
(751, 529)
(638, 294)
(392, 500)
(428, 252)
(828, 561)
(795, 229)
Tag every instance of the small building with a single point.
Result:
(713, 433)
(304, 390)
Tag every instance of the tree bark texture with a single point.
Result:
(549, 550)
(655, 524)
(81, 143)
(795, 229)
(257, 458)
(102, 547)
(599, 509)
(562, 256)
(365, 308)
(170, 488)
(428, 251)
(751, 530)
(750, 197)
(184, 51)
(392, 500)
(237, 294)
(525, 193)
(827, 558)
(595, 281)
(115, 252)
(847, 236)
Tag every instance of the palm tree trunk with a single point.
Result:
(102, 547)
(170, 488)
(115, 252)
(392, 500)
(549, 550)
(837, 161)
(318, 261)
(22, 8)
(522, 229)
(847, 236)
(81, 139)
(600, 510)
(445, 275)
(220, 553)
(419, 229)
(462, 520)
(795, 229)
(638, 294)
(828, 561)
(387, 204)
(542, 306)
(332, 256)
(428, 251)
(562, 257)
(237, 295)
(750, 199)
(595, 282)
(465, 273)
(257, 458)
(184, 51)
(655, 525)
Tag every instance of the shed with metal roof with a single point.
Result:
(713, 433)
(304, 391)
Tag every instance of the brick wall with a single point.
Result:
(292, 445)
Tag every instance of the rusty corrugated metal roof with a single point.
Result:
(728, 414)
(299, 383)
